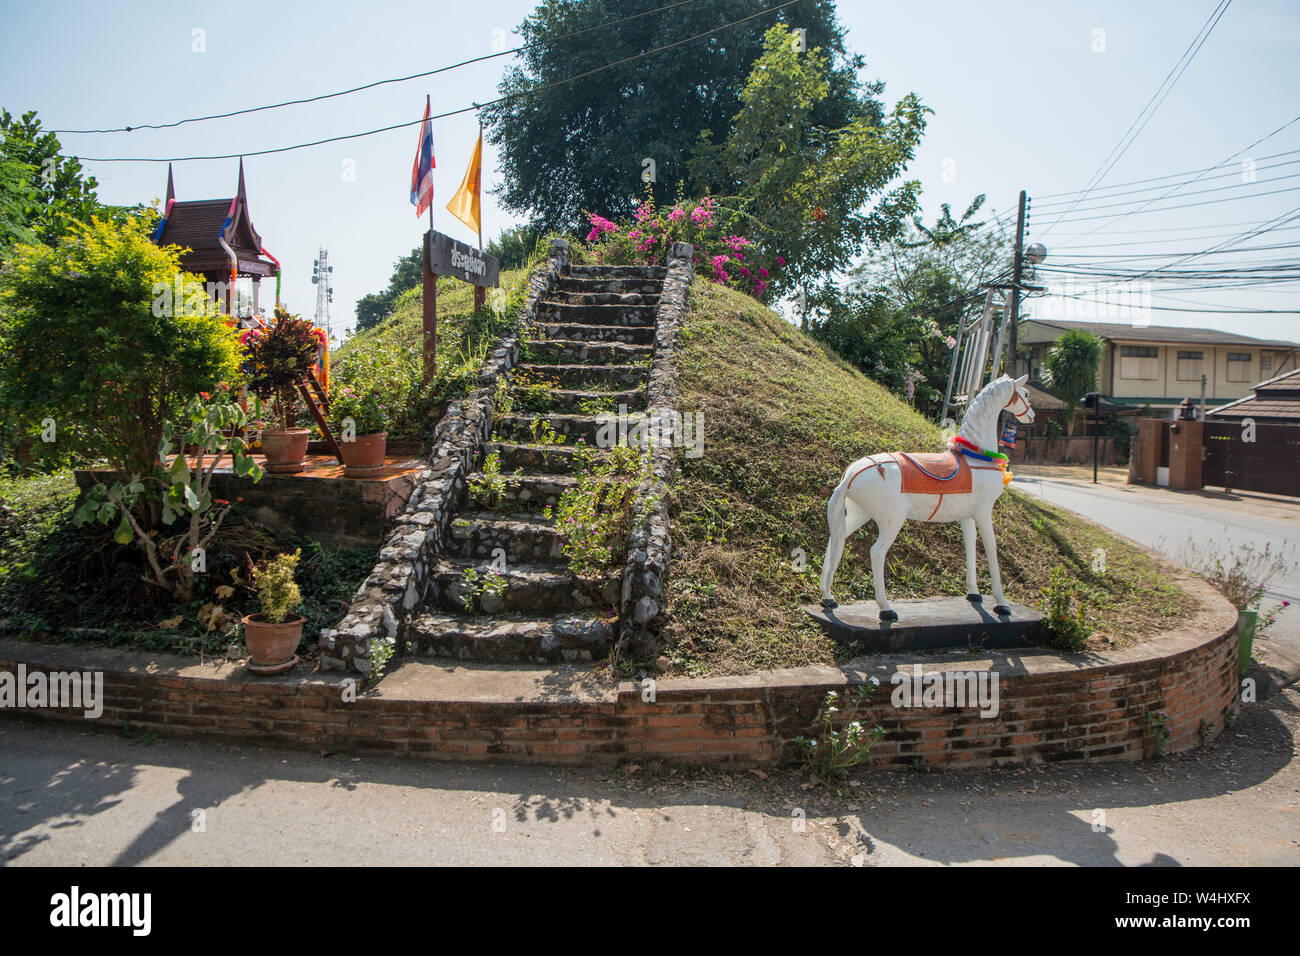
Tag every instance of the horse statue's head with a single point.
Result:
(1017, 402)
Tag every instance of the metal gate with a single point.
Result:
(1257, 458)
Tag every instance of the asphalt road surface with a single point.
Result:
(74, 797)
(1168, 520)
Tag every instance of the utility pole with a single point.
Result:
(1017, 266)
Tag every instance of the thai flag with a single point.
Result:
(422, 171)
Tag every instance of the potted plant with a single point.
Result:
(361, 422)
(280, 357)
(273, 634)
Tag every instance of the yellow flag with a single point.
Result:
(465, 204)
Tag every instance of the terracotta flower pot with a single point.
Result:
(363, 457)
(272, 647)
(285, 450)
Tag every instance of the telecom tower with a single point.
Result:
(320, 278)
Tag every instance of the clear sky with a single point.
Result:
(1026, 95)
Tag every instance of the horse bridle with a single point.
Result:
(1016, 395)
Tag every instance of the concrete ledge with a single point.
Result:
(1052, 706)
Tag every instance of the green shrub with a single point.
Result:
(1066, 628)
(277, 591)
(489, 484)
(104, 336)
(842, 740)
(281, 357)
(593, 517)
(367, 410)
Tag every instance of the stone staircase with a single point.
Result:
(589, 352)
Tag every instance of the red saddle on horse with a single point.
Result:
(945, 473)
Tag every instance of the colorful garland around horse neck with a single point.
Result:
(972, 450)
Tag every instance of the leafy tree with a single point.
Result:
(377, 306)
(514, 246)
(816, 191)
(869, 331)
(1070, 369)
(17, 203)
(580, 145)
(92, 339)
(58, 193)
(921, 284)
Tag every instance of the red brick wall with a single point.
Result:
(1146, 452)
(1056, 711)
(1186, 455)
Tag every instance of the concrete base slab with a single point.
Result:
(926, 623)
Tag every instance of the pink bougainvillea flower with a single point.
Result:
(780, 261)
(677, 214)
(762, 272)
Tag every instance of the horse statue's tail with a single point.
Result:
(836, 516)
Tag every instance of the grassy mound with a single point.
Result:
(783, 417)
(390, 359)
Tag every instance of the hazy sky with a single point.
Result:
(1026, 95)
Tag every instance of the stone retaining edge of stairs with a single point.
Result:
(642, 610)
(374, 627)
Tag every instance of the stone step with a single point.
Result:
(520, 492)
(574, 314)
(513, 638)
(618, 272)
(575, 427)
(523, 537)
(575, 332)
(583, 285)
(584, 297)
(572, 400)
(590, 376)
(571, 352)
(547, 459)
(528, 588)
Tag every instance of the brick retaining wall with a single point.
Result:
(1053, 707)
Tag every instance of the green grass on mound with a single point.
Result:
(390, 358)
(783, 418)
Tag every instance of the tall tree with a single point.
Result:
(1070, 369)
(814, 192)
(920, 285)
(580, 145)
(58, 193)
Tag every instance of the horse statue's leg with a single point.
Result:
(835, 520)
(972, 581)
(888, 527)
(985, 521)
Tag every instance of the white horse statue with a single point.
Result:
(961, 484)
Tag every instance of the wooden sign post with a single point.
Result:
(445, 256)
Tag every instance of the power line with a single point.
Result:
(1199, 192)
(1059, 250)
(1190, 172)
(1189, 205)
(1168, 308)
(1166, 255)
(1144, 116)
(465, 109)
(369, 86)
(1188, 182)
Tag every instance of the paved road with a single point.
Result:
(1167, 520)
(75, 797)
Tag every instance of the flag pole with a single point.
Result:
(480, 182)
(429, 295)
